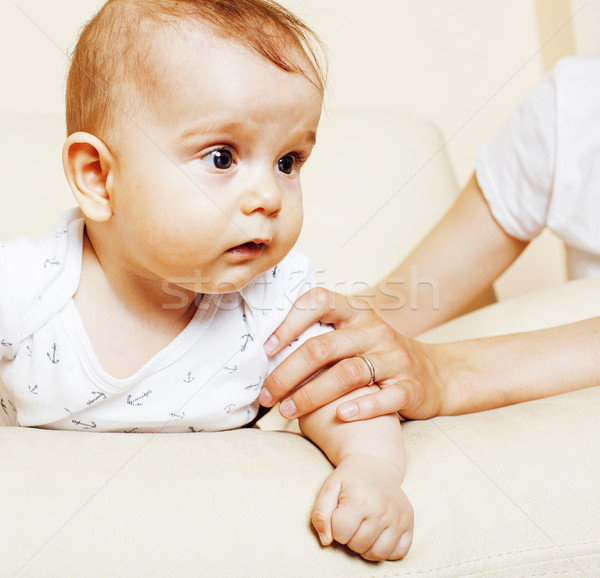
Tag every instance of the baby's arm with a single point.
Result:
(361, 503)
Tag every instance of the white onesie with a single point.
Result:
(542, 168)
(208, 378)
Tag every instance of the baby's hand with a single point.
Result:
(361, 504)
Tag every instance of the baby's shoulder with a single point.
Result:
(38, 273)
(288, 279)
(269, 297)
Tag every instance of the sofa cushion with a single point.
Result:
(508, 492)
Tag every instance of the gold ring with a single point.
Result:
(369, 365)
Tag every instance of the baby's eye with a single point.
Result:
(287, 164)
(221, 159)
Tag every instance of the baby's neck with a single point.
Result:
(140, 292)
(127, 320)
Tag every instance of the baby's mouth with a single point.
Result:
(247, 250)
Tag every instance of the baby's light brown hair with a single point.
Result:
(108, 73)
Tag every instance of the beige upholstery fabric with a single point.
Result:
(510, 492)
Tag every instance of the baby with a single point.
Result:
(146, 309)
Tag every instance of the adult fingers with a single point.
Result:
(347, 375)
(398, 397)
(390, 399)
(313, 355)
(317, 304)
(391, 366)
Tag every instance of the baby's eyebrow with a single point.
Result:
(311, 137)
(210, 128)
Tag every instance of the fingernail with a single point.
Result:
(348, 410)
(287, 408)
(265, 397)
(405, 541)
(271, 345)
(324, 539)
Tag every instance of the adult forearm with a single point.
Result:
(492, 372)
(452, 266)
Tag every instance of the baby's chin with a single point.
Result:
(234, 283)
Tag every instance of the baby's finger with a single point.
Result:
(384, 547)
(390, 399)
(365, 538)
(345, 522)
(325, 505)
(402, 546)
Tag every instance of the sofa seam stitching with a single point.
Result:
(498, 556)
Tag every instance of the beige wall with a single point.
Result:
(464, 64)
(586, 24)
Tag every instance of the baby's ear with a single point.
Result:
(88, 164)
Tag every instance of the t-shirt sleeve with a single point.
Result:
(515, 167)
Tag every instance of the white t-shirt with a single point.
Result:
(207, 378)
(542, 168)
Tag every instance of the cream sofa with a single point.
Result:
(509, 492)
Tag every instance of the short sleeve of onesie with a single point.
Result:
(35, 274)
(271, 297)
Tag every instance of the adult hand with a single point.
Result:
(405, 369)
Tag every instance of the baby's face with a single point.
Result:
(206, 191)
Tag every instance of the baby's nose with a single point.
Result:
(264, 196)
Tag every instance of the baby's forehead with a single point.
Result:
(159, 55)
(196, 35)
(171, 51)
(122, 54)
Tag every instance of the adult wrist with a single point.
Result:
(455, 379)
